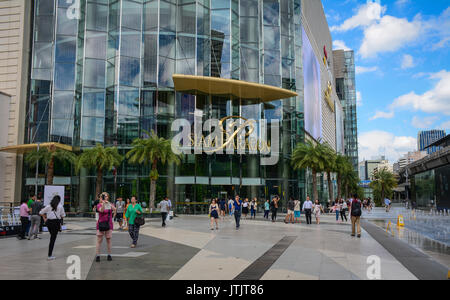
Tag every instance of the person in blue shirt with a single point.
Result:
(237, 211)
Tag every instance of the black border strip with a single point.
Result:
(260, 266)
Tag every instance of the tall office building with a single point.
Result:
(344, 68)
(107, 71)
(15, 26)
(426, 138)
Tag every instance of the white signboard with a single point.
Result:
(51, 191)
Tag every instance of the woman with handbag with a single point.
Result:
(135, 220)
(53, 215)
(106, 213)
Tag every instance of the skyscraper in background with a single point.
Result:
(344, 69)
(426, 138)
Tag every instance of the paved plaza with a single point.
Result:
(188, 249)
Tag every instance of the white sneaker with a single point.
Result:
(51, 258)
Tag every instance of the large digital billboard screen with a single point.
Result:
(312, 90)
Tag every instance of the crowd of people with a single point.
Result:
(240, 208)
(129, 215)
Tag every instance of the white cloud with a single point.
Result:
(366, 15)
(358, 99)
(407, 62)
(436, 100)
(362, 70)
(377, 143)
(388, 35)
(439, 29)
(340, 45)
(402, 2)
(424, 123)
(382, 115)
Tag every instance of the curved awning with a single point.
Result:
(21, 149)
(224, 87)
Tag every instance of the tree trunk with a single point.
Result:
(98, 187)
(346, 191)
(153, 186)
(339, 186)
(330, 187)
(316, 194)
(51, 171)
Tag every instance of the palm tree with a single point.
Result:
(101, 159)
(383, 184)
(47, 156)
(313, 156)
(150, 151)
(330, 167)
(342, 167)
(350, 179)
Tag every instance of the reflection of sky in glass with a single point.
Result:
(312, 91)
(220, 4)
(271, 38)
(271, 12)
(94, 104)
(129, 71)
(64, 76)
(93, 130)
(65, 49)
(220, 21)
(62, 106)
(63, 128)
(128, 104)
(272, 62)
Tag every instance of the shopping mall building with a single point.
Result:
(106, 71)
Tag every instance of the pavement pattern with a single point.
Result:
(188, 250)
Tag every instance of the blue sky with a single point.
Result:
(403, 68)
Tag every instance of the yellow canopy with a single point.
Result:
(21, 149)
(224, 87)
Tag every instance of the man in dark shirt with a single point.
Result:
(36, 207)
(237, 211)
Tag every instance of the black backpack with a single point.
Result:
(356, 208)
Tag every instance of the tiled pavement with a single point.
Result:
(188, 249)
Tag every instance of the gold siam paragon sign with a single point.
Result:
(234, 136)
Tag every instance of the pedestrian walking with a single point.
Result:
(125, 219)
(245, 208)
(274, 208)
(230, 207)
(36, 208)
(237, 205)
(253, 208)
(355, 213)
(53, 215)
(343, 211)
(106, 213)
(214, 214)
(337, 209)
(120, 207)
(290, 213)
(223, 207)
(135, 219)
(164, 209)
(307, 208)
(317, 209)
(266, 209)
(24, 219)
(297, 211)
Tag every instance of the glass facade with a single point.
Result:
(431, 189)
(346, 91)
(426, 138)
(102, 73)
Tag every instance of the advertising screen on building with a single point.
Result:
(312, 90)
